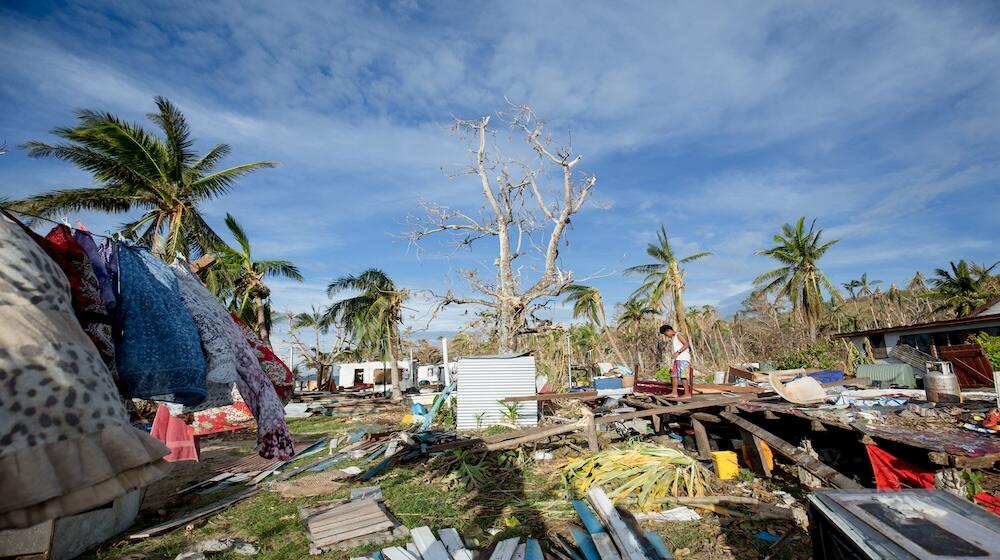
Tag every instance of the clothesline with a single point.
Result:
(43, 218)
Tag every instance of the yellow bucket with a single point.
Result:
(726, 465)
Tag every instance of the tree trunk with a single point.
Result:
(510, 321)
(262, 332)
(397, 391)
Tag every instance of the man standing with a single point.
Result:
(680, 353)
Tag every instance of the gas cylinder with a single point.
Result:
(941, 383)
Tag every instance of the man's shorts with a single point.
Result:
(680, 368)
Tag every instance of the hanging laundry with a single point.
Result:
(213, 323)
(159, 352)
(176, 435)
(88, 305)
(104, 284)
(65, 442)
(281, 377)
(273, 439)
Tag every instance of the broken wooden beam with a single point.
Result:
(534, 435)
(796, 455)
(581, 395)
(676, 408)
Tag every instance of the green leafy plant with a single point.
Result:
(510, 411)
(479, 419)
(991, 345)
(972, 482)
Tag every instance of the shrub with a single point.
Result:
(991, 345)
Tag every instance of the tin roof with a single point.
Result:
(964, 321)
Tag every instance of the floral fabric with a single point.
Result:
(223, 418)
(275, 369)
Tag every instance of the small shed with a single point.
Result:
(485, 380)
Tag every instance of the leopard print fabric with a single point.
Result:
(53, 384)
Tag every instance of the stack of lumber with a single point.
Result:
(349, 525)
(611, 534)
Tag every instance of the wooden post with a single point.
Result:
(758, 464)
(590, 428)
(701, 439)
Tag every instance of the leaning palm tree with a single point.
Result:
(664, 277)
(587, 301)
(238, 278)
(633, 313)
(964, 288)
(850, 287)
(800, 278)
(138, 170)
(372, 316)
(865, 286)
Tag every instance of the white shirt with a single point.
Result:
(684, 356)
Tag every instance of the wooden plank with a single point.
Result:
(504, 549)
(429, 547)
(811, 464)
(411, 547)
(195, 515)
(674, 409)
(581, 395)
(660, 547)
(552, 431)
(605, 547)
(331, 538)
(701, 439)
(628, 544)
(584, 543)
(756, 454)
(588, 518)
(397, 553)
(533, 550)
(518, 552)
(347, 524)
(451, 539)
(343, 509)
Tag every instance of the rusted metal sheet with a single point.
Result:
(970, 364)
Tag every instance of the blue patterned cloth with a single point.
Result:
(159, 353)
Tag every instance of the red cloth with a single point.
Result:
(224, 418)
(281, 377)
(176, 435)
(893, 473)
(988, 501)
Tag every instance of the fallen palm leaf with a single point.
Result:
(642, 472)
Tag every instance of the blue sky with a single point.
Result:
(882, 120)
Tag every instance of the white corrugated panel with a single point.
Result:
(484, 381)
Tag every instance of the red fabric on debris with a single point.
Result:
(988, 501)
(175, 434)
(893, 473)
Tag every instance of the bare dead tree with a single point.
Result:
(518, 214)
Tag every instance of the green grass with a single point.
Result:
(318, 424)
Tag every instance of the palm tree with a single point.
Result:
(372, 316)
(864, 286)
(964, 288)
(800, 278)
(633, 313)
(236, 276)
(138, 170)
(587, 301)
(320, 325)
(665, 276)
(850, 287)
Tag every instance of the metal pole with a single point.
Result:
(444, 352)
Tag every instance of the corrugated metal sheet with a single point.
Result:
(888, 374)
(484, 381)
